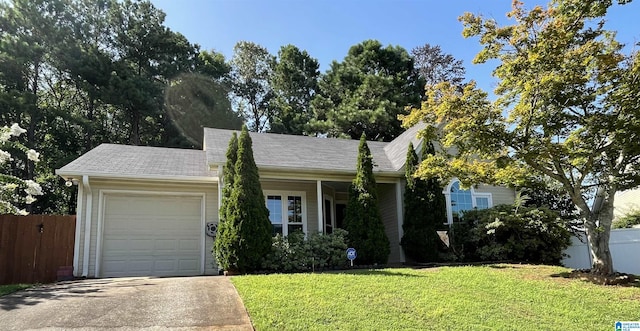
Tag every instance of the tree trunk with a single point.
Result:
(134, 134)
(598, 228)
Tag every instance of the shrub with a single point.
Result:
(362, 221)
(319, 252)
(629, 220)
(532, 235)
(424, 210)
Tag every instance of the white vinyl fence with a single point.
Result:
(625, 250)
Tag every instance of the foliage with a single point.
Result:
(365, 92)
(250, 73)
(491, 297)
(424, 211)
(565, 110)
(226, 234)
(628, 220)
(546, 193)
(245, 233)
(294, 82)
(294, 253)
(434, 66)
(15, 192)
(532, 235)
(362, 221)
(7, 289)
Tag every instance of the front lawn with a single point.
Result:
(495, 297)
(6, 289)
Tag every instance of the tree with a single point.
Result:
(245, 234)
(15, 192)
(250, 74)
(366, 92)
(294, 82)
(424, 210)
(434, 66)
(226, 229)
(567, 109)
(362, 220)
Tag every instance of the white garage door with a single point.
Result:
(152, 235)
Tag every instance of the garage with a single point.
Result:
(152, 235)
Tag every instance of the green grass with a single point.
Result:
(6, 289)
(496, 297)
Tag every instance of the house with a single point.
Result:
(626, 202)
(143, 211)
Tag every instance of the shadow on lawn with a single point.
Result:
(618, 279)
(379, 272)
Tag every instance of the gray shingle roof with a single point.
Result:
(124, 160)
(299, 152)
(271, 151)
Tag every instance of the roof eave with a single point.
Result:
(198, 179)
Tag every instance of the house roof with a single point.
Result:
(302, 153)
(271, 152)
(138, 161)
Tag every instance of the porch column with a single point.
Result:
(400, 212)
(319, 194)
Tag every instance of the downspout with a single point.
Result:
(87, 229)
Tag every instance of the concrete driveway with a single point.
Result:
(184, 303)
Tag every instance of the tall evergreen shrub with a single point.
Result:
(224, 228)
(424, 210)
(363, 221)
(246, 237)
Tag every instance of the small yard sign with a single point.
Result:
(351, 254)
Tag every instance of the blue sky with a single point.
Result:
(327, 28)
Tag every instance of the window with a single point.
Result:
(290, 205)
(459, 200)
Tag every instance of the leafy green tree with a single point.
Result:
(424, 210)
(366, 92)
(566, 109)
(294, 82)
(362, 220)
(250, 74)
(244, 237)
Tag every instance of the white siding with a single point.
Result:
(625, 202)
(389, 215)
(499, 194)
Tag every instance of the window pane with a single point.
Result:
(277, 229)
(460, 201)
(294, 209)
(291, 228)
(482, 203)
(274, 204)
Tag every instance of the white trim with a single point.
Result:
(76, 246)
(474, 195)
(221, 183)
(284, 195)
(87, 228)
(102, 208)
(400, 215)
(320, 206)
(163, 178)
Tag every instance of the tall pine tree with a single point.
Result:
(363, 222)
(424, 210)
(225, 229)
(245, 237)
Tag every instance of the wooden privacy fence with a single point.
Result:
(33, 247)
